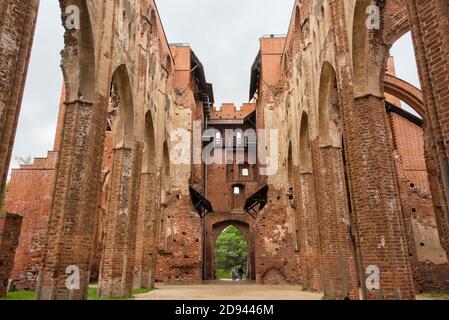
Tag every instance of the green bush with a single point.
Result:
(231, 250)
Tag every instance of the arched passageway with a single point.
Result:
(214, 231)
(231, 255)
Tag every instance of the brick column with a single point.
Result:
(10, 225)
(378, 215)
(17, 25)
(376, 208)
(429, 21)
(309, 232)
(337, 252)
(72, 217)
(117, 265)
(145, 269)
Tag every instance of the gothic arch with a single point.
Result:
(368, 51)
(122, 101)
(397, 21)
(328, 108)
(405, 92)
(149, 152)
(304, 141)
(165, 176)
(297, 23)
(78, 56)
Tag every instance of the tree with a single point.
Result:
(24, 161)
(231, 249)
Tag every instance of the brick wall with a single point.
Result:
(10, 225)
(17, 24)
(29, 195)
(428, 257)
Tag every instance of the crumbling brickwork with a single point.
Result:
(348, 186)
(10, 225)
(17, 24)
(30, 192)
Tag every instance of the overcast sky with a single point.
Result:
(224, 35)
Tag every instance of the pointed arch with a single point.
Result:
(329, 119)
(149, 152)
(122, 102)
(304, 141)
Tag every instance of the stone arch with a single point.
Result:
(78, 56)
(367, 45)
(165, 176)
(329, 130)
(405, 92)
(397, 21)
(290, 168)
(122, 105)
(297, 23)
(217, 228)
(305, 149)
(154, 33)
(149, 152)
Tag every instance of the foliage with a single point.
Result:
(24, 160)
(231, 249)
(223, 274)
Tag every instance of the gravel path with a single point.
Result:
(228, 291)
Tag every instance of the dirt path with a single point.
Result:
(228, 291)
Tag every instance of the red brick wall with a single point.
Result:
(29, 195)
(17, 25)
(10, 225)
(428, 257)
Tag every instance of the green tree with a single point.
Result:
(231, 249)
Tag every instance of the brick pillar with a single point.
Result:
(10, 225)
(337, 252)
(435, 189)
(381, 234)
(429, 21)
(117, 265)
(309, 232)
(376, 208)
(72, 217)
(145, 269)
(17, 25)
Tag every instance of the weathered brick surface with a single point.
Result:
(17, 24)
(428, 257)
(30, 191)
(10, 225)
(349, 190)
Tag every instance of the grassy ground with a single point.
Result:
(92, 295)
(223, 274)
(20, 295)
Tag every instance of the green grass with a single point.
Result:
(92, 295)
(141, 291)
(20, 295)
(223, 274)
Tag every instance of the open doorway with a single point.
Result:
(231, 255)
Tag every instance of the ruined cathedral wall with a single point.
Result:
(180, 246)
(275, 229)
